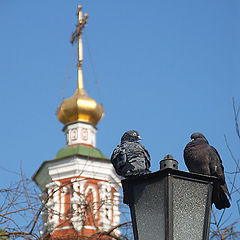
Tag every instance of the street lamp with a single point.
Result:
(169, 204)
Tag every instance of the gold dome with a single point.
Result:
(80, 108)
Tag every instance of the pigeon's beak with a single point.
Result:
(139, 138)
(192, 139)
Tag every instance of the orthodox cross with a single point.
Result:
(76, 36)
(81, 24)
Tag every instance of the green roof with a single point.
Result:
(82, 150)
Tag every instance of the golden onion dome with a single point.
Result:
(80, 108)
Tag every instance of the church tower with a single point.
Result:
(80, 186)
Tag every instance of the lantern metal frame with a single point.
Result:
(167, 176)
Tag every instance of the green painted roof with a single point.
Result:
(80, 150)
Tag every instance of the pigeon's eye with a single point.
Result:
(134, 134)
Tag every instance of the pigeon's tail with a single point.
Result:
(219, 197)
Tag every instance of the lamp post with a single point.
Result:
(169, 204)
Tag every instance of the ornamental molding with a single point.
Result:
(116, 212)
(51, 214)
(106, 199)
(77, 133)
(77, 166)
(78, 203)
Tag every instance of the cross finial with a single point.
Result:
(76, 36)
(81, 24)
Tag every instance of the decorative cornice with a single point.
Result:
(76, 166)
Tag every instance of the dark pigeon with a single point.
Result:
(202, 158)
(130, 157)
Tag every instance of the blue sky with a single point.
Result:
(165, 68)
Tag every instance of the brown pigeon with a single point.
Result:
(202, 158)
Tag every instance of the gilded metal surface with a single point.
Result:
(80, 107)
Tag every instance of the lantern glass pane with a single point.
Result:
(189, 206)
(150, 210)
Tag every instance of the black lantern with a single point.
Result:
(169, 204)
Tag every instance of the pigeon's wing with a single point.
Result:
(115, 153)
(119, 158)
(147, 156)
(215, 165)
(187, 157)
(217, 169)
